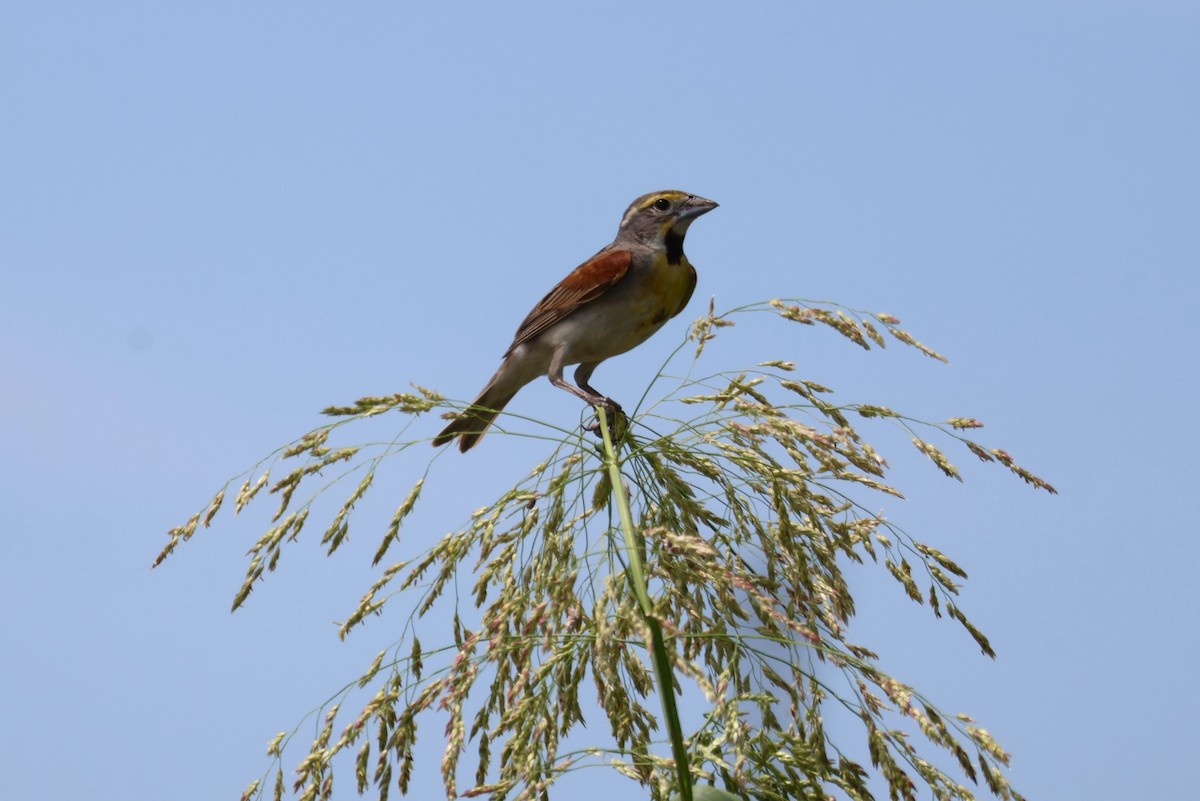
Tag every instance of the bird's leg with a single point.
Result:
(582, 373)
(587, 393)
(555, 374)
(617, 419)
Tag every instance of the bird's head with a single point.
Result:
(661, 219)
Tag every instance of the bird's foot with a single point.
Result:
(618, 423)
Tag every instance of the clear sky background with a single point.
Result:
(217, 218)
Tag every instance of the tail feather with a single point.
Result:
(475, 420)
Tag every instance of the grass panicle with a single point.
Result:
(699, 553)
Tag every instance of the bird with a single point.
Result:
(611, 303)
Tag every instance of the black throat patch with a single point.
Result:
(674, 242)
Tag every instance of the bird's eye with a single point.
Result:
(662, 204)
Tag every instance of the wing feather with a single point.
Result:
(585, 283)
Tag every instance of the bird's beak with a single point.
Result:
(695, 206)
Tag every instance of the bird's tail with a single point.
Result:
(474, 421)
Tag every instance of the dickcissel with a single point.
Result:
(609, 304)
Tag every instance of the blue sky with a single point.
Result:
(218, 218)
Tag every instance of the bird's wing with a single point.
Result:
(586, 282)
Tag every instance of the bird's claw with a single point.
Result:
(617, 421)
